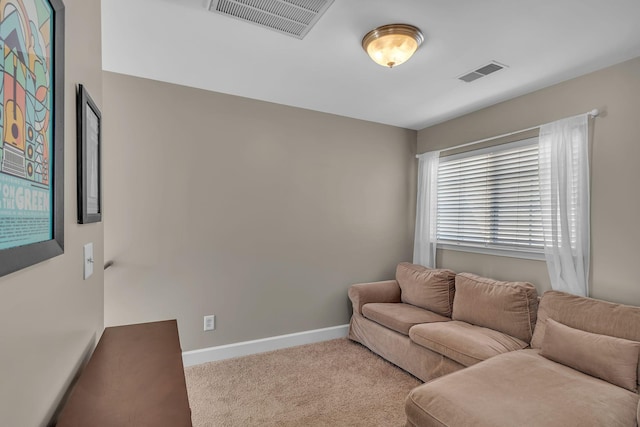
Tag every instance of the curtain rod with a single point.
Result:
(593, 113)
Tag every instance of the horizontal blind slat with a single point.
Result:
(491, 200)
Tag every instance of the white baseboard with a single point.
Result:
(212, 354)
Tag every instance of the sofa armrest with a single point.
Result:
(363, 293)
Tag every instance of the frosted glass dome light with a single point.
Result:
(391, 45)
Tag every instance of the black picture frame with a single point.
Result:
(18, 257)
(89, 131)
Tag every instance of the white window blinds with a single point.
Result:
(490, 198)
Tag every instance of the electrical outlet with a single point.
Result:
(209, 322)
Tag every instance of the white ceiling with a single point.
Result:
(543, 42)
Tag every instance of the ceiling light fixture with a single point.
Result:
(391, 45)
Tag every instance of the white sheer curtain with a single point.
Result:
(564, 193)
(424, 247)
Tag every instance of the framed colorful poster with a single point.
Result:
(31, 132)
(89, 158)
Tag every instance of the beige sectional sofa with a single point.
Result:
(571, 362)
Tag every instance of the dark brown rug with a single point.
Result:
(332, 383)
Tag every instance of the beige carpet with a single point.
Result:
(333, 383)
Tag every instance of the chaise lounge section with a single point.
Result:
(582, 370)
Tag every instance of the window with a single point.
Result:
(489, 201)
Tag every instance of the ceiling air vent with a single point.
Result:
(485, 70)
(291, 17)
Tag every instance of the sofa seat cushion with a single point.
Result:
(398, 316)
(520, 388)
(465, 343)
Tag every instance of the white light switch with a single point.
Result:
(88, 260)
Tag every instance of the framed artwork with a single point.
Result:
(31, 132)
(89, 159)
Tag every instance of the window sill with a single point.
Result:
(511, 253)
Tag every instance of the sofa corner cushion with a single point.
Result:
(587, 314)
(465, 343)
(432, 289)
(611, 359)
(520, 388)
(400, 317)
(508, 307)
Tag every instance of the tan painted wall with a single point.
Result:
(615, 199)
(258, 213)
(49, 316)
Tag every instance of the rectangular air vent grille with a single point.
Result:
(291, 17)
(485, 70)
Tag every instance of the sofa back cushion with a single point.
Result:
(428, 288)
(508, 307)
(614, 360)
(587, 314)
